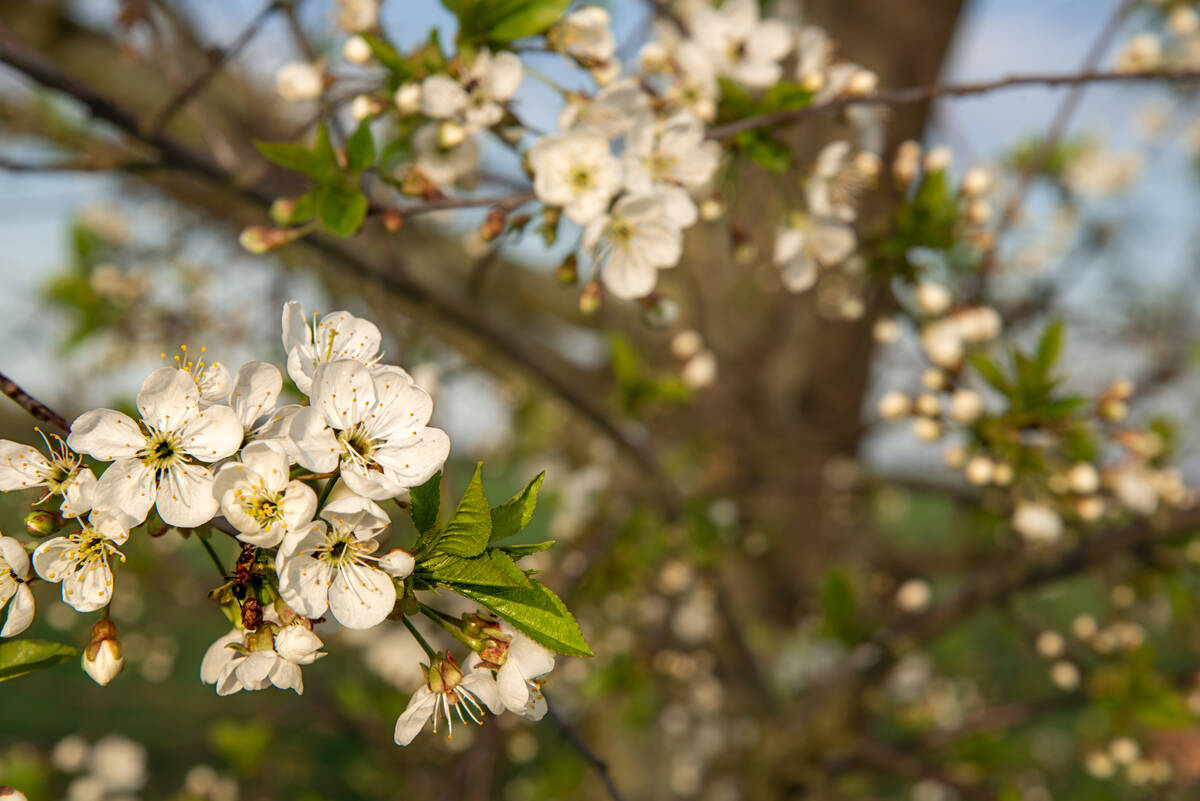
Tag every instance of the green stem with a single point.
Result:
(216, 560)
(328, 488)
(429, 652)
(444, 622)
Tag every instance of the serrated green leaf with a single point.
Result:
(490, 569)
(360, 148)
(514, 514)
(318, 162)
(19, 657)
(538, 613)
(526, 549)
(342, 211)
(483, 21)
(470, 528)
(425, 502)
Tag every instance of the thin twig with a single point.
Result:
(589, 756)
(32, 405)
(197, 84)
(919, 94)
(79, 165)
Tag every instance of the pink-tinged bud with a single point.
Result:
(102, 660)
(282, 210)
(42, 523)
(12, 794)
(493, 225)
(444, 674)
(259, 239)
(393, 221)
(493, 643)
(397, 563)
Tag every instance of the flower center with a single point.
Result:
(264, 507)
(357, 447)
(620, 232)
(63, 464)
(581, 179)
(162, 451)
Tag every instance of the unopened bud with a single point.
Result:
(976, 182)
(408, 98)
(10, 794)
(356, 50)
(493, 226)
(864, 82)
(812, 81)
(938, 159)
(282, 210)
(364, 106)
(451, 134)
(397, 563)
(590, 298)
(894, 405)
(42, 523)
(978, 212)
(711, 208)
(259, 239)
(102, 659)
(393, 221)
(933, 298)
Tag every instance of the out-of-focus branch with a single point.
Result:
(919, 94)
(197, 84)
(80, 165)
(589, 756)
(32, 405)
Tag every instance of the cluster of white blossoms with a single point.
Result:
(211, 448)
(629, 161)
(1172, 42)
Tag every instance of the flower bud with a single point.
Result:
(937, 159)
(1083, 478)
(928, 405)
(1037, 522)
(976, 182)
(711, 208)
(979, 211)
(397, 563)
(1002, 475)
(10, 794)
(393, 221)
(590, 298)
(955, 456)
(966, 406)
(43, 523)
(364, 106)
(927, 430)
(864, 82)
(1065, 675)
(659, 311)
(356, 50)
(283, 210)
(102, 659)
(886, 330)
(933, 298)
(408, 98)
(894, 405)
(914, 595)
(451, 135)
(979, 470)
(259, 239)
(443, 674)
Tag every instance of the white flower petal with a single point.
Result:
(218, 656)
(89, 588)
(20, 466)
(20, 612)
(185, 496)
(415, 715)
(13, 556)
(344, 392)
(411, 461)
(361, 597)
(255, 392)
(168, 399)
(105, 435)
(315, 445)
(127, 485)
(212, 434)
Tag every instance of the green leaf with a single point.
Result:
(392, 61)
(768, 153)
(342, 210)
(991, 373)
(1049, 347)
(538, 613)
(840, 607)
(19, 657)
(425, 502)
(526, 549)
(503, 20)
(470, 528)
(735, 101)
(491, 569)
(785, 96)
(318, 163)
(514, 514)
(360, 147)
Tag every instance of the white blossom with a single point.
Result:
(81, 560)
(586, 34)
(103, 662)
(742, 46)
(337, 335)
(608, 114)
(372, 426)
(576, 171)
(256, 660)
(155, 461)
(809, 242)
(299, 81)
(257, 498)
(443, 165)
(357, 16)
(632, 243)
(61, 473)
(326, 565)
(14, 587)
(1037, 522)
(447, 690)
(668, 158)
(519, 678)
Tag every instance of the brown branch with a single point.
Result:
(32, 405)
(589, 756)
(919, 94)
(80, 165)
(197, 84)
